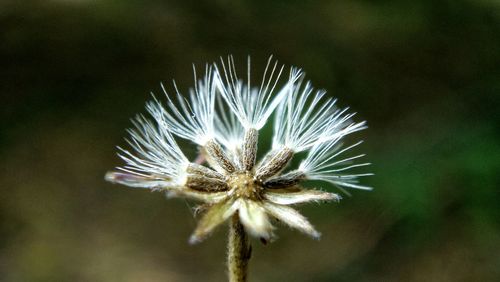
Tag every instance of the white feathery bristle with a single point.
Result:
(228, 130)
(322, 163)
(192, 120)
(156, 152)
(303, 118)
(253, 106)
(340, 125)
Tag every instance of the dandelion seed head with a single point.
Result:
(222, 114)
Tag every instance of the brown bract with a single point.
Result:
(235, 185)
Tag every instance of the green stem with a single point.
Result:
(239, 251)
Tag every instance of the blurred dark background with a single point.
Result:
(424, 74)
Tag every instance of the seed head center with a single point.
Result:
(244, 185)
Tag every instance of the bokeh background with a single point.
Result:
(424, 74)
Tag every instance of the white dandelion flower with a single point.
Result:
(222, 109)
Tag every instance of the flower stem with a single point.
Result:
(239, 251)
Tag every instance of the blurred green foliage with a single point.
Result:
(424, 74)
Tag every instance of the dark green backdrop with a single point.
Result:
(424, 74)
